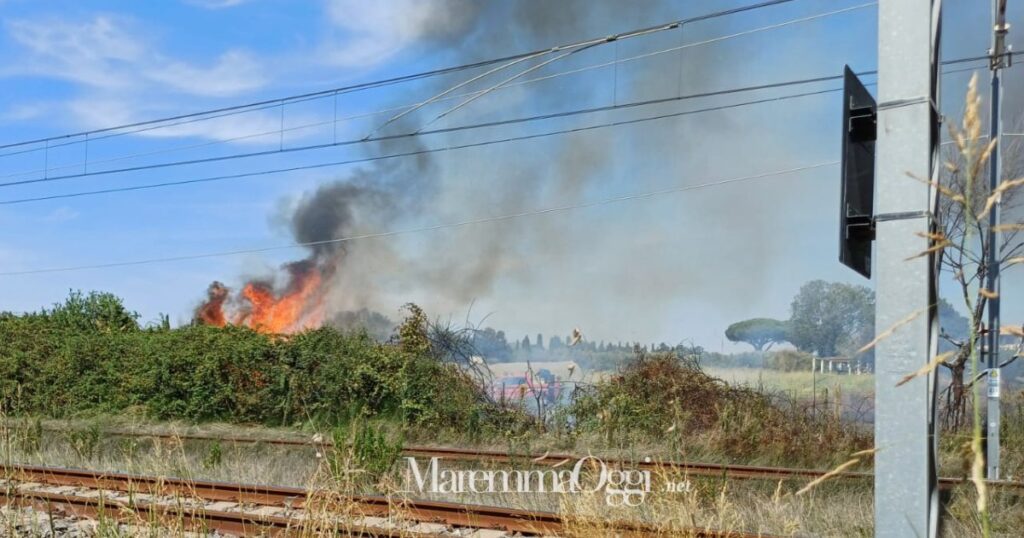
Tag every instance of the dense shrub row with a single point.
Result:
(89, 355)
(667, 397)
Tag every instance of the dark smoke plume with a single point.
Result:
(574, 267)
(212, 311)
(462, 265)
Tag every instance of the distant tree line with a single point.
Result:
(828, 319)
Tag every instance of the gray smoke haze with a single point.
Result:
(662, 269)
(446, 271)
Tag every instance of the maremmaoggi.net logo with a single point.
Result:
(621, 487)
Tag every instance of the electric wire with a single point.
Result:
(441, 95)
(323, 94)
(664, 51)
(476, 144)
(172, 183)
(276, 131)
(419, 131)
(502, 122)
(445, 130)
(395, 80)
(116, 134)
(457, 224)
(501, 84)
(408, 108)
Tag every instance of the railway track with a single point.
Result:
(690, 468)
(187, 518)
(244, 510)
(721, 470)
(753, 472)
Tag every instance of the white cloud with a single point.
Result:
(372, 32)
(233, 73)
(107, 52)
(98, 53)
(124, 77)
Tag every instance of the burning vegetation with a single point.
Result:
(260, 305)
(298, 297)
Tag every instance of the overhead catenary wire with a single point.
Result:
(470, 222)
(634, 105)
(209, 179)
(471, 96)
(405, 109)
(420, 131)
(445, 130)
(443, 226)
(441, 95)
(205, 115)
(431, 132)
(664, 51)
(270, 103)
(115, 134)
(316, 95)
(164, 184)
(501, 84)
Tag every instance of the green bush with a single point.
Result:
(89, 356)
(362, 453)
(214, 456)
(85, 442)
(667, 397)
(658, 393)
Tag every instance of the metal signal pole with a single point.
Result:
(906, 496)
(998, 59)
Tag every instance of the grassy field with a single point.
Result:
(798, 384)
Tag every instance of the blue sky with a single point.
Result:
(674, 267)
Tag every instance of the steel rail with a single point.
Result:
(291, 497)
(452, 514)
(197, 519)
(724, 470)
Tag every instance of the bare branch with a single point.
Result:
(945, 336)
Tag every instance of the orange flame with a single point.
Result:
(298, 307)
(292, 311)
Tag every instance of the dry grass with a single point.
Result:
(834, 508)
(255, 463)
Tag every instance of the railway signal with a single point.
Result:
(856, 209)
